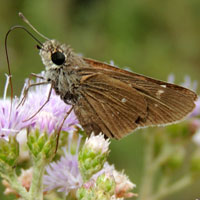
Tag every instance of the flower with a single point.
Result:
(12, 118)
(123, 184)
(23, 151)
(93, 155)
(107, 184)
(104, 188)
(187, 83)
(52, 114)
(64, 174)
(170, 78)
(97, 143)
(25, 179)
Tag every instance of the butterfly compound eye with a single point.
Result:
(58, 58)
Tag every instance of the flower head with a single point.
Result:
(123, 184)
(103, 188)
(97, 143)
(93, 155)
(51, 116)
(12, 118)
(64, 174)
(188, 83)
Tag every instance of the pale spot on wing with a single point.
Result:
(158, 93)
(76, 67)
(123, 100)
(156, 105)
(164, 86)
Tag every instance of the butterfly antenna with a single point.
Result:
(27, 22)
(9, 73)
(7, 58)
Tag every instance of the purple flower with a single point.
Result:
(51, 116)
(64, 174)
(11, 118)
(14, 118)
(170, 78)
(187, 83)
(196, 111)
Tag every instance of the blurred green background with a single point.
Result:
(154, 38)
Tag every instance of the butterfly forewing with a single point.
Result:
(123, 101)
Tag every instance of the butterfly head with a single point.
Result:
(53, 54)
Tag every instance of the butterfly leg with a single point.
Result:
(36, 76)
(26, 92)
(61, 125)
(31, 85)
(48, 98)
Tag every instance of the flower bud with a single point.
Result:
(93, 155)
(9, 152)
(42, 145)
(106, 183)
(84, 194)
(102, 189)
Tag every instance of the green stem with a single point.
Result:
(147, 181)
(164, 182)
(151, 165)
(166, 152)
(16, 185)
(36, 190)
(178, 185)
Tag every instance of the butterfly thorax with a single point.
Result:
(63, 76)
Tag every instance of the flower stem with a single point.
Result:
(151, 165)
(178, 185)
(36, 190)
(16, 185)
(146, 187)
